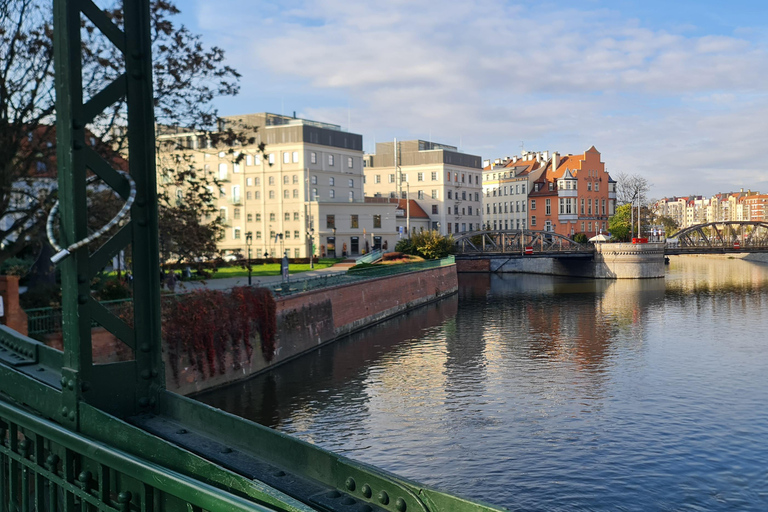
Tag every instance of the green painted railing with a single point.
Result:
(42, 321)
(44, 466)
(357, 274)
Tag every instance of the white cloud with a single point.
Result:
(667, 104)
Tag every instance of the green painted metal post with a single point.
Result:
(120, 388)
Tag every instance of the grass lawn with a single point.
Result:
(270, 269)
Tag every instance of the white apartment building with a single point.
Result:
(446, 183)
(303, 195)
(506, 184)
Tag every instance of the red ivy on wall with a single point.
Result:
(207, 324)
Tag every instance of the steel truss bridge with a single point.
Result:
(710, 238)
(719, 237)
(516, 241)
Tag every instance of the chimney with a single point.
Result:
(514, 159)
(555, 160)
(486, 163)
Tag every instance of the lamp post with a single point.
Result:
(311, 239)
(248, 243)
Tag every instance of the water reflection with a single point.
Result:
(545, 393)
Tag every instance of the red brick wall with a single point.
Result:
(473, 265)
(14, 317)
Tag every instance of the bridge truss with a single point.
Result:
(741, 234)
(516, 241)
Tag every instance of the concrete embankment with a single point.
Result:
(311, 319)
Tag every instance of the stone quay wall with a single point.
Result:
(309, 320)
(629, 261)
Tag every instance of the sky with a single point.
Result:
(675, 91)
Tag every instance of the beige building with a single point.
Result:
(446, 183)
(305, 190)
(506, 185)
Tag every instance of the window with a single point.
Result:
(449, 210)
(331, 193)
(287, 216)
(271, 217)
(271, 180)
(351, 195)
(450, 194)
(258, 235)
(257, 181)
(271, 158)
(602, 207)
(350, 162)
(314, 194)
(589, 186)
(582, 206)
(258, 217)
(256, 160)
(286, 158)
(295, 179)
(434, 175)
(286, 179)
(434, 193)
(523, 191)
(223, 214)
(353, 221)
(236, 234)
(420, 194)
(551, 186)
(330, 221)
(222, 171)
(272, 235)
(330, 159)
(377, 178)
(314, 180)
(237, 214)
(331, 181)
(295, 157)
(377, 221)
(257, 195)
(477, 197)
(464, 195)
(533, 220)
(286, 194)
(391, 178)
(249, 181)
(235, 167)
(313, 157)
(351, 182)
(249, 217)
(287, 234)
(295, 193)
(222, 154)
(589, 206)
(248, 159)
(562, 205)
(296, 234)
(434, 209)
(548, 207)
(420, 176)
(583, 228)
(271, 194)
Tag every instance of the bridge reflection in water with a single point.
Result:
(558, 393)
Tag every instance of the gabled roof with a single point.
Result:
(416, 211)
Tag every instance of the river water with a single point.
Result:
(546, 393)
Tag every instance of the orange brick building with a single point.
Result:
(573, 195)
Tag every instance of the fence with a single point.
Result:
(42, 321)
(46, 467)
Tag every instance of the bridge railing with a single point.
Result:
(46, 467)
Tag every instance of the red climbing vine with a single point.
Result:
(206, 325)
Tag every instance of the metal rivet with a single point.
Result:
(152, 401)
(366, 490)
(145, 347)
(64, 411)
(143, 401)
(400, 505)
(279, 473)
(350, 483)
(333, 494)
(154, 373)
(226, 449)
(181, 431)
(145, 374)
(71, 415)
(383, 497)
(63, 381)
(348, 501)
(71, 384)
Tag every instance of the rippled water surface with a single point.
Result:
(544, 393)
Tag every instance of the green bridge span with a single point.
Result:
(75, 435)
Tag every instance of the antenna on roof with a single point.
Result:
(522, 146)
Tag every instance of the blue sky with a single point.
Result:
(675, 91)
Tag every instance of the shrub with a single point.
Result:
(580, 238)
(405, 245)
(432, 245)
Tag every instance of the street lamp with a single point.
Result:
(248, 243)
(311, 238)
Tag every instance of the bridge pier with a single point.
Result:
(608, 261)
(629, 261)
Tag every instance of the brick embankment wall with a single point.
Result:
(13, 316)
(478, 265)
(308, 320)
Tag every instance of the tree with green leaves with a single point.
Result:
(187, 77)
(427, 244)
(619, 224)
